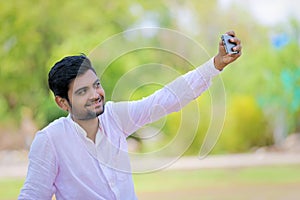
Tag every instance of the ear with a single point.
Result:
(62, 103)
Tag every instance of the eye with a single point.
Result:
(98, 85)
(81, 92)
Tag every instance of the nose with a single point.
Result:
(95, 94)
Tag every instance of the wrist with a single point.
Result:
(219, 65)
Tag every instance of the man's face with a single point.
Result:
(86, 96)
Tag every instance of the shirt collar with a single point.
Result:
(81, 131)
(78, 128)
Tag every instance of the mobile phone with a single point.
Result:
(227, 44)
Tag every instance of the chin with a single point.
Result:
(100, 112)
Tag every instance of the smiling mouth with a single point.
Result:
(95, 103)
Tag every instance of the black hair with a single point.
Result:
(64, 71)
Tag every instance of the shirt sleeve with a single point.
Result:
(132, 115)
(42, 170)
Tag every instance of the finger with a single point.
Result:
(235, 40)
(238, 54)
(237, 48)
(232, 33)
(222, 48)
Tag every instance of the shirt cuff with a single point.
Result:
(208, 69)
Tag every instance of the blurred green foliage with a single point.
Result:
(264, 82)
(236, 136)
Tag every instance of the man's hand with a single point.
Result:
(222, 59)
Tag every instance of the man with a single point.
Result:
(84, 155)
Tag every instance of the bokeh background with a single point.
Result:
(262, 87)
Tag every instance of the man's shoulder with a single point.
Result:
(55, 126)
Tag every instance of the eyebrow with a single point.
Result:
(86, 87)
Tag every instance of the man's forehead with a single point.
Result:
(86, 79)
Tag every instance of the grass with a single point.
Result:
(264, 182)
(166, 180)
(10, 188)
(213, 184)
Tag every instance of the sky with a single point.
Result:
(268, 12)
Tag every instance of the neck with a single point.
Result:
(90, 126)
